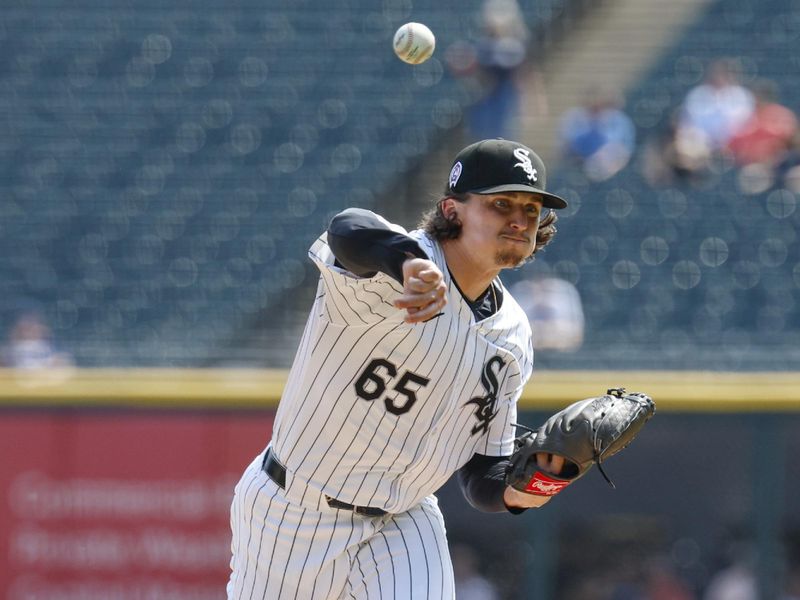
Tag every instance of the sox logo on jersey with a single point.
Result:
(486, 405)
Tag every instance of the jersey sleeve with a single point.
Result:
(520, 343)
(365, 243)
(500, 438)
(482, 481)
(360, 259)
(501, 434)
(346, 298)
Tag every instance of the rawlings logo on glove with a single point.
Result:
(585, 433)
(542, 484)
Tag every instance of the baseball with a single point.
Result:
(414, 43)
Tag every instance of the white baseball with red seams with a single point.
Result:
(414, 43)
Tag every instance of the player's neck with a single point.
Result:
(472, 277)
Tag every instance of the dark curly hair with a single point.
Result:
(439, 227)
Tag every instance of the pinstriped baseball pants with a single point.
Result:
(283, 550)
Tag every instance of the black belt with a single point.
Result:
(277, 472)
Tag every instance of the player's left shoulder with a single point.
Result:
(510, 330)
(512, 315)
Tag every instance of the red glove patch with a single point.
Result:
(542, 484)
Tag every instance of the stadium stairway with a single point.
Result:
(613, 45)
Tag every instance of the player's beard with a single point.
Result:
(507, 260)
(509, 256)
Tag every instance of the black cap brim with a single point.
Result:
(548, 200)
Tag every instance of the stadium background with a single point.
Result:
(164, 170)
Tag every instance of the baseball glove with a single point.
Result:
(584, 433)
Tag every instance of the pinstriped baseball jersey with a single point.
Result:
(377, 412)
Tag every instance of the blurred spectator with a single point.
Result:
(676, 155)
(709, 117)
(661, 582)
(555, 312)
(493, 64)
(736, 582)
(737, 579)
(599, 135)
(769, 131)
(714, 111)
(470, 584)
(30, 345)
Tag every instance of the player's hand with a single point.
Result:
(548, 463)
(424, 290)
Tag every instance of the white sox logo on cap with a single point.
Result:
(521, 154)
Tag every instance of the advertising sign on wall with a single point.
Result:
(120, 505)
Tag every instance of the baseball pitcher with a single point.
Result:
(408, 372)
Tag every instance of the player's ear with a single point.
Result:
(448, 208)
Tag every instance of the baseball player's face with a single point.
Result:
(501, 226)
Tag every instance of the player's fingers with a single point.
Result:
(429, 309)
(542, 461)
(430, 275)
(556, 464)
(413, 300)
(420, 299)
(426, 312)
(421, 269)
(550, 463)
(421, 316)
(414, 284)
(426, 281)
